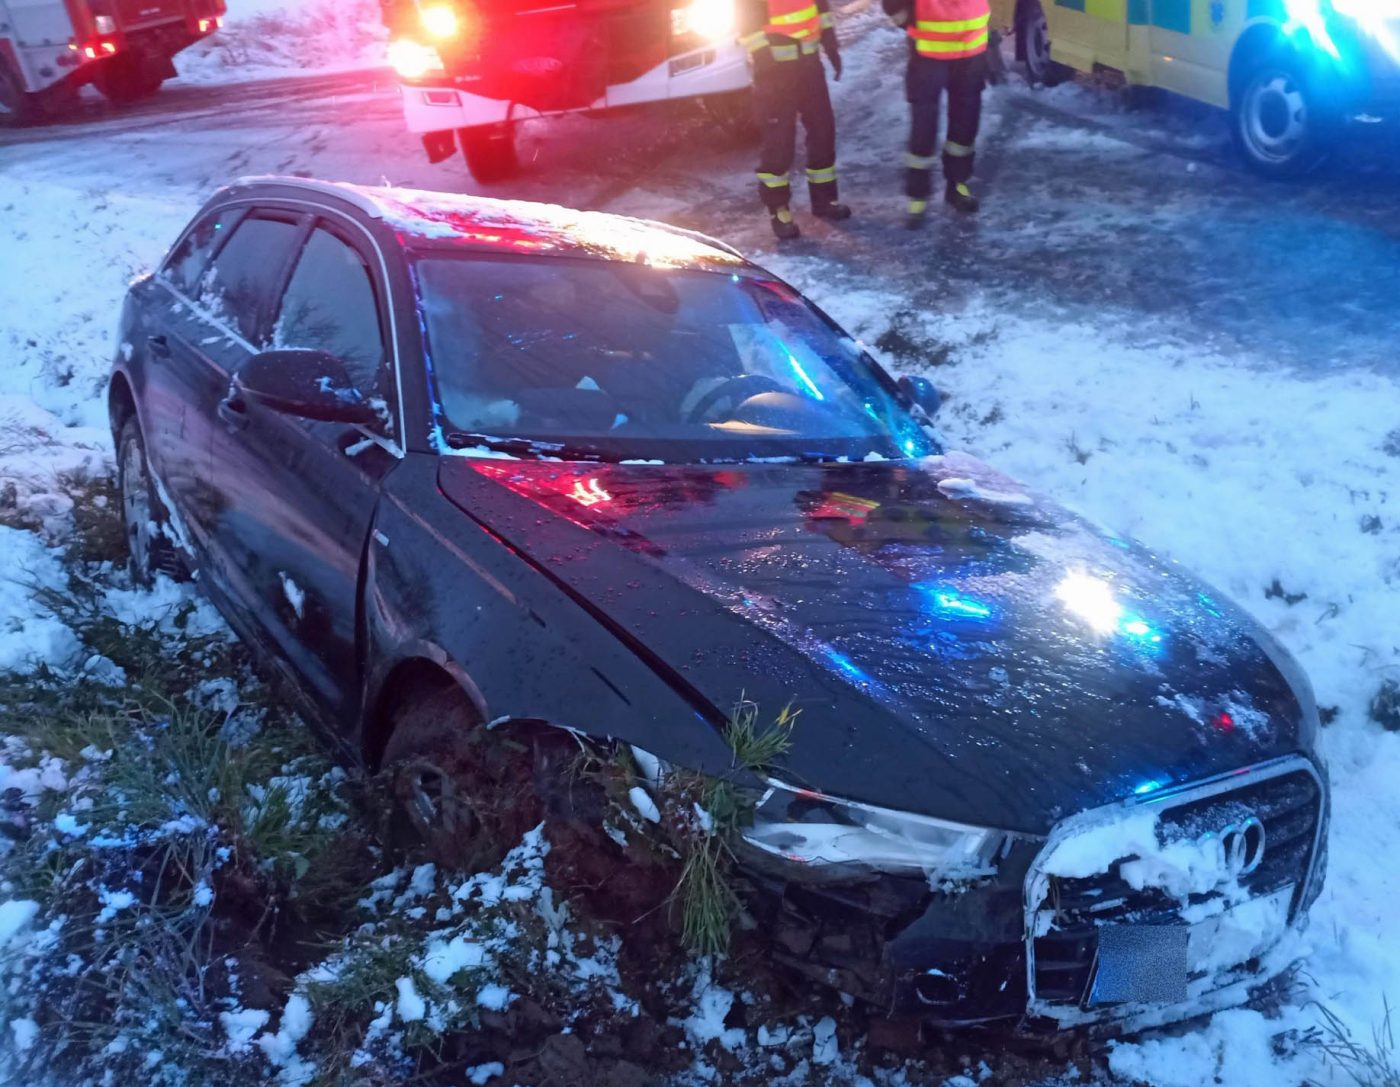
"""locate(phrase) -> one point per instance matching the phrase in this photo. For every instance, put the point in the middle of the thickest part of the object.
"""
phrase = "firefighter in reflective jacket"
(785, 38)
(947, 52)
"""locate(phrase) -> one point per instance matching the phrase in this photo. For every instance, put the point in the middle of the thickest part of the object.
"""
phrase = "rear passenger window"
(330, 306)
(186, 264)
(242, 277)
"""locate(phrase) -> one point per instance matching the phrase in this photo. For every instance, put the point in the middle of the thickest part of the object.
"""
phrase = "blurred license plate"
(1151, 964)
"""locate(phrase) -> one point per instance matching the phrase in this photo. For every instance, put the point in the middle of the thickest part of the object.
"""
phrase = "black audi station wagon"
(451, 462)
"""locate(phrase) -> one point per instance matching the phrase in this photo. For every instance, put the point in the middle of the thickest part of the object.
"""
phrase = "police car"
(1290, 72)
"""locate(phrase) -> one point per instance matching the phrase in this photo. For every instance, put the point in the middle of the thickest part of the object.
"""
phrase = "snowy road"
(1134, 324)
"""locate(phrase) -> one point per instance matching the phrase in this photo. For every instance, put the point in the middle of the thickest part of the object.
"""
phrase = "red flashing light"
(109, 47)
(1225, 723)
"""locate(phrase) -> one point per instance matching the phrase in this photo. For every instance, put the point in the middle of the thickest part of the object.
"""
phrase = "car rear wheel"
(1278, 121)
(16, 107)
(145, 520)
(1033, 44)
(123, 80)
(490, 152)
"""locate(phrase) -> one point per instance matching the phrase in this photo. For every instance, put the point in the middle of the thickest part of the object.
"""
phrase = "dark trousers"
(783, 91)
(926, 82)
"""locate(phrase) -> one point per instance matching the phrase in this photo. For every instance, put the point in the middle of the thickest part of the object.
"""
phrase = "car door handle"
(159, 345)
(233, 413)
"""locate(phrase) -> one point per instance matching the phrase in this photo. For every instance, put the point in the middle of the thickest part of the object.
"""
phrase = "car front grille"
(1290, 805)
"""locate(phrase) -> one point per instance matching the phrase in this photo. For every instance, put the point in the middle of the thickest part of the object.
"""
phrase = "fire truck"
(472, 70)
(1292, 73)
(50, 48)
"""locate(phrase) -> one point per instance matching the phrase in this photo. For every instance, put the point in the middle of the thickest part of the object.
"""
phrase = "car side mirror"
(304, 383)
(921, 391)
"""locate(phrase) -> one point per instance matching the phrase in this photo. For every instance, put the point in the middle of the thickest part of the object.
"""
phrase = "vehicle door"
(1095, 31)
(296, 497)
(1191, 43)
(203, 306)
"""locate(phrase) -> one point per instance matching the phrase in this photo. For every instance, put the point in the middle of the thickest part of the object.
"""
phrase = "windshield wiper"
(526, 447)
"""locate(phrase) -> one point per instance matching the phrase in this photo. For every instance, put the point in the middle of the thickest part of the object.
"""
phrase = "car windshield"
(622, 360)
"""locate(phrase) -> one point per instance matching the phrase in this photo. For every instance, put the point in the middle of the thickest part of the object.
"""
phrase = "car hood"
(955, 645)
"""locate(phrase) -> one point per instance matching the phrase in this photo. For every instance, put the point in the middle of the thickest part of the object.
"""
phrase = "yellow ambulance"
(1291, 72)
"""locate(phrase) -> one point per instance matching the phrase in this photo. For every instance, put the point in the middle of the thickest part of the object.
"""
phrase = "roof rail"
(327, 188)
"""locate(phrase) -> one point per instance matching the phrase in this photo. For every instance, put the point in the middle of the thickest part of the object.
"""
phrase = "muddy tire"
(490, 152)
(1279, 121)
(122, 80)
(1033, 46)
(16, 107)
(145, 520)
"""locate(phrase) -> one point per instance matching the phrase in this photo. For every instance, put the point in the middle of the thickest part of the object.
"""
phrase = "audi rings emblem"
(1242, 847)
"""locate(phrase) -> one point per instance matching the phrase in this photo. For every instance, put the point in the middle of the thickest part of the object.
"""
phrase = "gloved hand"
(834, 57)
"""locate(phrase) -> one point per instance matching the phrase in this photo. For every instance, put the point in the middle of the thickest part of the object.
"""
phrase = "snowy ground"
(1134, 326)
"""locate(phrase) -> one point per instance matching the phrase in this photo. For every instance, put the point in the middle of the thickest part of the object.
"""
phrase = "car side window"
(242, 277)
(329, 305)
(188, 260)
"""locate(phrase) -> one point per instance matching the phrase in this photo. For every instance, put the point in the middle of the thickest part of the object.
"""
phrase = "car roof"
(454, 220)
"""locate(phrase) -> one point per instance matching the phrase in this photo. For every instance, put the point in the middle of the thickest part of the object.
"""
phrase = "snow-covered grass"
(262, 39)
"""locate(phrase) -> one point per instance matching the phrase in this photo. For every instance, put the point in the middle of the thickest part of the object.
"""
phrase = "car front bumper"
(1022, 947)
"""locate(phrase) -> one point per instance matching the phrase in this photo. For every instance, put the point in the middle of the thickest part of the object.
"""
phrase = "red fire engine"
(49, 48)
(472, 69)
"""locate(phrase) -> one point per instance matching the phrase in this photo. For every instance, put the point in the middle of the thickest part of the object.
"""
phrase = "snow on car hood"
(956, 645)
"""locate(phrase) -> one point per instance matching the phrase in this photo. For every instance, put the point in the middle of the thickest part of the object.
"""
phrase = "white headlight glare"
(811, 829)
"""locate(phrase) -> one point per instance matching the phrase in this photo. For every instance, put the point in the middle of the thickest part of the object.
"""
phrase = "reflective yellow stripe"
(755, 41)
(822, 176)
(920, 162)
(773, 181)
(828, 20)
(784, 52)
(796, 17)
(808, 48)
(975, 23)
(957, 150)
(918, 207)
(924, 46)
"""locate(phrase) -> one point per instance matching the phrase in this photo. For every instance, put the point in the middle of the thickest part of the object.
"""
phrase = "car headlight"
(713, 20)
(833, 838)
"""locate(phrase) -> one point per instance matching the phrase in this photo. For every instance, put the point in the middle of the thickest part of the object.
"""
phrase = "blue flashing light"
(1307, 16)
(1147, 787)
(1139, 630)
(910, 447)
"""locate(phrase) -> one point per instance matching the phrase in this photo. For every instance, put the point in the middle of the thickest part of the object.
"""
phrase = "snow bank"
(264, 39)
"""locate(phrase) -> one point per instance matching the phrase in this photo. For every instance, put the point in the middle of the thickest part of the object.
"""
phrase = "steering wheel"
(740, 387)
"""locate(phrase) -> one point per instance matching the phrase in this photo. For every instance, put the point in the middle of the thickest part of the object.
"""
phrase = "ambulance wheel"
(1280, 126)
(1033, 45)
(16, 107)
(124, 80)
(490, 152)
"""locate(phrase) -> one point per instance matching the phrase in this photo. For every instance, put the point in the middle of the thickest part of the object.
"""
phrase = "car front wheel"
(1033, 44)
(1279, 123)
(145, 520)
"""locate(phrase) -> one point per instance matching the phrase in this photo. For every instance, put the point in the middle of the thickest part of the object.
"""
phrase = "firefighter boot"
(960, 198)
(783, 226)
(833, 211)
(916, 214)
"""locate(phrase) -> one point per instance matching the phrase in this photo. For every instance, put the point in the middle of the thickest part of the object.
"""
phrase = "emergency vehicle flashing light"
(413, 60)
(712, 20)
(440, 22)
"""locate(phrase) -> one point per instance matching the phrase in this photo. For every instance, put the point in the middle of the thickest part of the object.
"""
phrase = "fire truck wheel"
(123, 79)
(733, 114)
(1033, 46)
(16, 107)
(1280, 124)
(490, 152)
